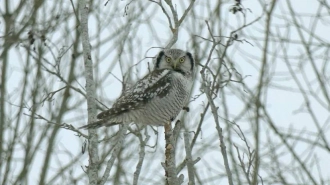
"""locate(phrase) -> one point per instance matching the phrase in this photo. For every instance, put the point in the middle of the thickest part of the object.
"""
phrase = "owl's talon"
(186, 109)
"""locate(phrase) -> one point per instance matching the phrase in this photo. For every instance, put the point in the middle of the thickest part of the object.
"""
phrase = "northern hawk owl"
(157, 98)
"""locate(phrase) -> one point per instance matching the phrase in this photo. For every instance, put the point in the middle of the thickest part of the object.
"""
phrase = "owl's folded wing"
(155, 84)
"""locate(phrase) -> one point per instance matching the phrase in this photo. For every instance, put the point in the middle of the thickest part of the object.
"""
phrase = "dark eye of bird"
(168, 59)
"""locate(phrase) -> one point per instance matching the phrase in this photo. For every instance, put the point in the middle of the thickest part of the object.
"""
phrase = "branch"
(261, 84)
(121, 136)
(164, 11)
(177, 22)
(143, 143)
(219, 129)
(63, 125)
(169, 165)
(208, 92)
(190, 164)
(90, 93)
(186, 11)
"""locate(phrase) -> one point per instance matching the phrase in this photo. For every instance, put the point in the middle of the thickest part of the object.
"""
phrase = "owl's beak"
(174, 65)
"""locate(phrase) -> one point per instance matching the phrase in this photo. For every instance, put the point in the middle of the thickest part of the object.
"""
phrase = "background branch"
(90, 93)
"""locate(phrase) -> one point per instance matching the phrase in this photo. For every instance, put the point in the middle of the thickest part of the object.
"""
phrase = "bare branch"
(169, 165)
(190, 165)
(90, 93)
(121, 136)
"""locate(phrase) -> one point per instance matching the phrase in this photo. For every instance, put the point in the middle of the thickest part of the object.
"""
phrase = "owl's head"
(175, 59)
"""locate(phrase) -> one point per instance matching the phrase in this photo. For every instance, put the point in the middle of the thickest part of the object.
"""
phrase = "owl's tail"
(98, 124)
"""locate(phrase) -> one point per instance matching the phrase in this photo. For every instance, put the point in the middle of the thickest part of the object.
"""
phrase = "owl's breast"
(167, 104)
(182, 84)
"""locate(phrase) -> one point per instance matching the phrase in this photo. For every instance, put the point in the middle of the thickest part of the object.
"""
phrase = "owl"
(158, 97)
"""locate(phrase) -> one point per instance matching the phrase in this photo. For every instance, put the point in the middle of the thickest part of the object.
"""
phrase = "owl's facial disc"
(176, 60)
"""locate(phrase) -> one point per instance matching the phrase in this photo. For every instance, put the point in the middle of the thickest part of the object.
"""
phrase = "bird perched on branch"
(157, 98)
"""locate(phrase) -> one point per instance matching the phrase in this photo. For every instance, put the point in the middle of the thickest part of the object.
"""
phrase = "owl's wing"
(155, 84)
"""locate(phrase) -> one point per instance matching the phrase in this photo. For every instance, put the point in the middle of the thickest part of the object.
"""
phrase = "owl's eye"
(181, 60)
(168, 59)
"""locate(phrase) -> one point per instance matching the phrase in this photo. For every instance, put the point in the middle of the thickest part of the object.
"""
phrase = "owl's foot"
(186, 109)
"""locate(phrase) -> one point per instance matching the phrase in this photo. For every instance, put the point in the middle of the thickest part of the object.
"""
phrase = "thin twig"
(61, 125)
(206, 86)
(143, 143)
(121, 136)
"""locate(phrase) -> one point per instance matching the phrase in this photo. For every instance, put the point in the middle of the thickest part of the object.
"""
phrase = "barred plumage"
(158, 97)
